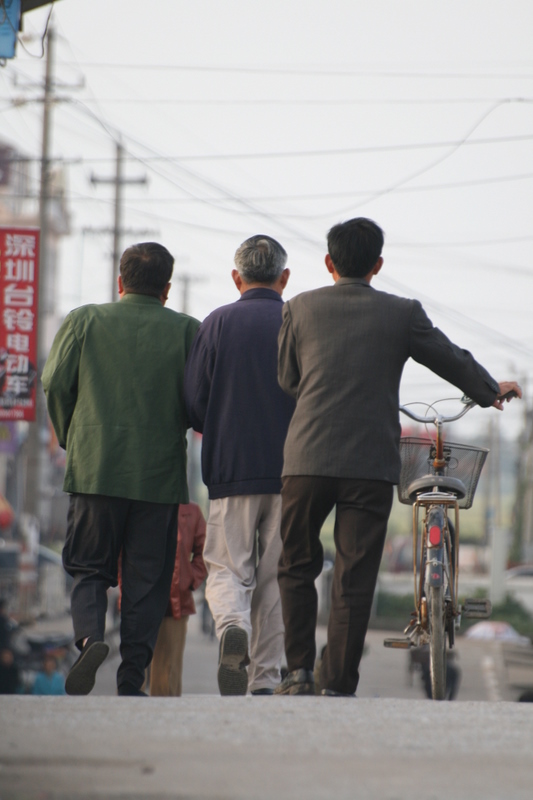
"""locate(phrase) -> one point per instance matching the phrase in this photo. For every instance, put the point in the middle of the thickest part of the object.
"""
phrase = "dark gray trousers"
(99, 529)
(362, 513)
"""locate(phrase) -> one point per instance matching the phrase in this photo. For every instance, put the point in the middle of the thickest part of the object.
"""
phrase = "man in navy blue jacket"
(233, 398)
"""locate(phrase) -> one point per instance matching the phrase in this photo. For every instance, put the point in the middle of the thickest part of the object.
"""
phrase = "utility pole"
(130, 231)
(119, 181)
(186, 279)
(34, 446)
(499, 535)
(526, 514)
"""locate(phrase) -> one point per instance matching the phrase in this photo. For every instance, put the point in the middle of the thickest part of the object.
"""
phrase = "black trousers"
(99, 529)
(362, 513)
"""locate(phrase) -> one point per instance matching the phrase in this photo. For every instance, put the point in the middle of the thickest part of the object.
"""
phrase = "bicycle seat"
(443, 483)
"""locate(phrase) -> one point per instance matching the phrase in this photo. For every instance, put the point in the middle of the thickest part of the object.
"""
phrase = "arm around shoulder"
(197, 384)
(288, 366)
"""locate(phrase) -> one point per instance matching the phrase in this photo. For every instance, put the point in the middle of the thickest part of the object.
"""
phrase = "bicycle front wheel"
(437, 642)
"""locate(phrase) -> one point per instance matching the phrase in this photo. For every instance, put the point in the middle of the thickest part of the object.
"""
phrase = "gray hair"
(260, 259)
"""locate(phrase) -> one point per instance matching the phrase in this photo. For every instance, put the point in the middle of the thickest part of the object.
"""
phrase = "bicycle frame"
(439, 558)
(445, 500)
(440, 555)
(436, 497)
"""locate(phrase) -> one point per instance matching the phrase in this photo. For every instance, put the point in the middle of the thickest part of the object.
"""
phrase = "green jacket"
(114, 388)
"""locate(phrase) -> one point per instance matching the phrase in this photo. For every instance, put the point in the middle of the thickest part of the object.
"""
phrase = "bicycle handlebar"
(469, 404)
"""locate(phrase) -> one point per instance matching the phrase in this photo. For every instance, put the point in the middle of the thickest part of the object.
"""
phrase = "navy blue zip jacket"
(233, 397)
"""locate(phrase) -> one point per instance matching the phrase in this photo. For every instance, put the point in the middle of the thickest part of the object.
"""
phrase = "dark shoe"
(265, 691)
(299, 681)
(128, 690)
(333, 693)
(82, 675)
(232, 662)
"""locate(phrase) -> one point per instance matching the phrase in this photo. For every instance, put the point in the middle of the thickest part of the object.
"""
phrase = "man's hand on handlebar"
(508, 390)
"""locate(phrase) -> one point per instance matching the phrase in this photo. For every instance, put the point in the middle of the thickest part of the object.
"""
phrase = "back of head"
(260, 259)
(146, 268)
(355, 246)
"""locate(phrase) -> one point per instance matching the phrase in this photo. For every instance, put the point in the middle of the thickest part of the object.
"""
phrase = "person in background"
(9, 673)
(6, 626)
(49, 680)
(189, 573)
(164, 676)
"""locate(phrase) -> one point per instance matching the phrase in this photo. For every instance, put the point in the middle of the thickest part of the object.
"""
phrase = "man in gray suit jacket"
(342, 350)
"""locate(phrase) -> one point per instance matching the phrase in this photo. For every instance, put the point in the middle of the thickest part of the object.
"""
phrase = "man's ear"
(120, 286)
(164, 293)
(237, 280)
(377, 266)
(284, 278)
(330, 266)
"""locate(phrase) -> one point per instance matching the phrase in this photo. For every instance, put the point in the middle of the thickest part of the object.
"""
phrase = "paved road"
(203, 746)
(389, 744)
(384, 672)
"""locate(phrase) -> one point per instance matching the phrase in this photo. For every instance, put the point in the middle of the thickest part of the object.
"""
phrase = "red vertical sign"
(19, 290)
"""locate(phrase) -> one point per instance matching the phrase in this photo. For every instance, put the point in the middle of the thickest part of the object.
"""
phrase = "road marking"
(491, 680)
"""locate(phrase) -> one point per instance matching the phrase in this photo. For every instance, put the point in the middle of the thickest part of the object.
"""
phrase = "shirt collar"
(344, 281)
(257, 294)
(140, 298)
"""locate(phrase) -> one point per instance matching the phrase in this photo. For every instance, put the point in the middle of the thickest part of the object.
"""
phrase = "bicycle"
(438, 479)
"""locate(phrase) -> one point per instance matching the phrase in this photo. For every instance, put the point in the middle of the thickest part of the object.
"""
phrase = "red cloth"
(189, 568)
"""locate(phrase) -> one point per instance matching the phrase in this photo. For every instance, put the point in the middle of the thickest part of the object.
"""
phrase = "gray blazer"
(342, 350)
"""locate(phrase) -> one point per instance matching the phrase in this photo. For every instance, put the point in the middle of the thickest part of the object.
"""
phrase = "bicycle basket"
(462, 461)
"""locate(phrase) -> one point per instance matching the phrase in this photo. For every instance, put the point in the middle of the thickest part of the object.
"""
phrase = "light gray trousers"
(242, 549)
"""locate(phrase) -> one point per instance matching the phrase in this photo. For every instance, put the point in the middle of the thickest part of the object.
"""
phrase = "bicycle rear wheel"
(437, 642)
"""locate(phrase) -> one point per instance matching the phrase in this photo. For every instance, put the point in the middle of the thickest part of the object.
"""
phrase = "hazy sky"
(287, 117)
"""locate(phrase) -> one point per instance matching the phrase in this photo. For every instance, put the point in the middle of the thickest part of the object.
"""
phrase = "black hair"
(146, 268)
(355, 246)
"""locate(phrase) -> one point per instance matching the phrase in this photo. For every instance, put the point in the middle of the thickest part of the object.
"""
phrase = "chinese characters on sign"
(19, 284)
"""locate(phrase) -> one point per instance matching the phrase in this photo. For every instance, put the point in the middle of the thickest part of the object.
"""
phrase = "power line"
(252, 210)
(461, 319)
(290, 197)
(439, 160)
(476, 243)
(301, 236)
(279, 223)
(310, 71)
(299, 101)
(303, 153)
(342, 151)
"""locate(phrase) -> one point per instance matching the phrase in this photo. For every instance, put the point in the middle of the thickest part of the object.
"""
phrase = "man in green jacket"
(114, 389)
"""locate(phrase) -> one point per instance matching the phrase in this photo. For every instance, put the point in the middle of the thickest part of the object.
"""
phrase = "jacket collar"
(146, 299)
(257, 294)
(345, 281)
